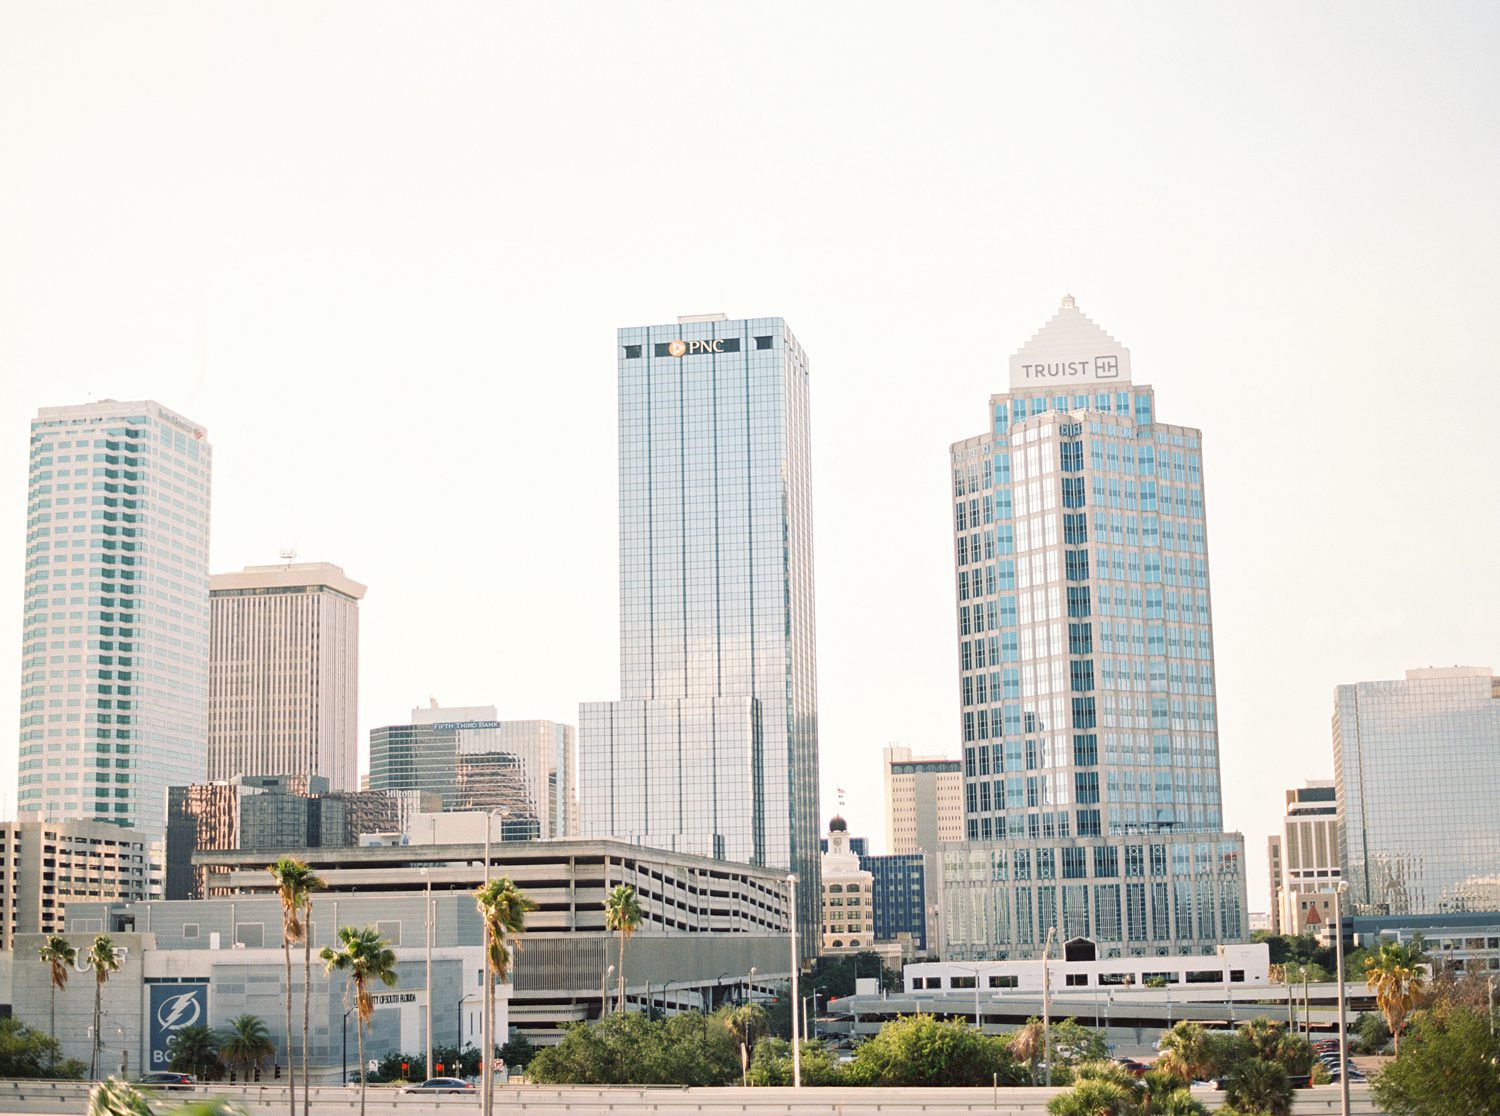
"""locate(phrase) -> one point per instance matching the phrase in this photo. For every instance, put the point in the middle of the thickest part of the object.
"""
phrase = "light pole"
(1228, 999)
(604, 992)
(750, 985)
(427, 913)
(346, 1047)
(487, 1051)
(1047, 1003)
(1338, 965)
(791, 885)
(1492, 1007)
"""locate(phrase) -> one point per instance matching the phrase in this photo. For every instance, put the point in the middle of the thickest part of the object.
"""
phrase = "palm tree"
(246, 1044)
(56, 951)
(194, 1049)
(291, 877)
(1186, 1053)
(311, 884)
(622, 912)
(101, 957)
(366, 957)
(1392, 973)
(746, 1023)
(1026, 1044)
(1094, 1097)
(502, 908)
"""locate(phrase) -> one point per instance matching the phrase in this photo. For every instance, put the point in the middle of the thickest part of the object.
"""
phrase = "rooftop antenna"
(841, 798)
(288, 554)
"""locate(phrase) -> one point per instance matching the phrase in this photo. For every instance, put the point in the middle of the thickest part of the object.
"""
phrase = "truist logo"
(1100, 368)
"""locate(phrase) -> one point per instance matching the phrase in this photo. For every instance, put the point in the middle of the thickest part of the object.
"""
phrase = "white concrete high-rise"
(1304, 859)
(114, 671)
(284, 673)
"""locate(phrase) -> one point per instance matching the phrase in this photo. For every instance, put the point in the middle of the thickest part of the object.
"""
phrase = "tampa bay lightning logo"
(181, 1011)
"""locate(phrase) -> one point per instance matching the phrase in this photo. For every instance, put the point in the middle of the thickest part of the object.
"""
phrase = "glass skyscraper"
(713, 747)
(114, 672)
(1085, 639)
(1417, 769)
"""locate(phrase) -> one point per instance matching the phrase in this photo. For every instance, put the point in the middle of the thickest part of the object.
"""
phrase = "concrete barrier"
(69, 1098)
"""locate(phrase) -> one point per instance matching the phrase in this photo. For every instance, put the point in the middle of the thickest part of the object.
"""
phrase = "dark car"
(1137, 1068)
(163, 1079)
(441, 1085)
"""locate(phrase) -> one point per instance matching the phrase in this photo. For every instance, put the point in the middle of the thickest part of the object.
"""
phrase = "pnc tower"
(713, 747)
(1092, 801)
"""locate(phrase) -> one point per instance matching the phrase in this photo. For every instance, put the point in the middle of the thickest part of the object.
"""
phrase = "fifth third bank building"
(1092, 793)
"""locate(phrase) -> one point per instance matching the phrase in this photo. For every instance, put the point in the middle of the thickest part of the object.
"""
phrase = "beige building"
(1304, 860)
(924, 801)
(46, 865)
(848, 895)
(284, 673)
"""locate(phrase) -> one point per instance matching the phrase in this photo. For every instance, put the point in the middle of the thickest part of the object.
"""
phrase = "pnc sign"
(695, 348)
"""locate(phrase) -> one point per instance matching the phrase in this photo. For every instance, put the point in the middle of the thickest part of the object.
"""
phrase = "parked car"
(1137, 1068)
(441, 1085)
(164, 1079)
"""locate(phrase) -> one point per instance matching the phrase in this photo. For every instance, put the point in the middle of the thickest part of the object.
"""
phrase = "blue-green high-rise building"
(1088, 717)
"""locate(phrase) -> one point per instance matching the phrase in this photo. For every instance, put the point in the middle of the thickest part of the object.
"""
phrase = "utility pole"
(1047, 1003)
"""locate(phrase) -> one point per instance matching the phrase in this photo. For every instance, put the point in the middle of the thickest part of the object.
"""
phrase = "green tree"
(246, 1043)
(746, 1023)
(119, 1098)
(295, 882)
(1074, 1044)
(772, 1064)
(28, 1053)
(1185, 1053)
(1373, 1033)
(1268, 1040)
(57, 953)
(622, 913)
(1095, 1097)
(102, 958)
(1394, 975)
(366, 957)
(502, 909)
(632, 1049)
(1256, 1085)
(1026, 1045)
(1450, 1066)
(195, 1050)
(517, 1053)
(919, 1050)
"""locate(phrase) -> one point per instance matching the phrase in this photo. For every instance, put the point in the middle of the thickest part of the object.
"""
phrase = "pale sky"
(380, 251)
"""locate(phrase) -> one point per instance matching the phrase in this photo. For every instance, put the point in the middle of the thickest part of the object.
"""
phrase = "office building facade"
(848, 895)
(525, 769)
(45, 866)
(1304, 859)
(712, 748)
(114, 674)
(283, 692)
(1085, 639)
(1417, 771)
(898, 883)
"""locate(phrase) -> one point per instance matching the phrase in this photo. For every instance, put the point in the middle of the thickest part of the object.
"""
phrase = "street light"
(1047, 1003)
(791, 884)
(486, 1061)
(1338, 963)
(346, 1046)
(1228, 998)
(604, 992)
(427, 918)
(750, 986)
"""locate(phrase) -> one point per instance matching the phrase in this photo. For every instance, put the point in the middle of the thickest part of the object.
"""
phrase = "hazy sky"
(380, 252)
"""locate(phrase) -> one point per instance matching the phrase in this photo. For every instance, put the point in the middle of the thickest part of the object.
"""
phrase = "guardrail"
(69, 1098)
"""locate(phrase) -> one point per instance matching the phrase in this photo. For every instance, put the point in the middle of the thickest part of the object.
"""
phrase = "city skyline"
(333, 269)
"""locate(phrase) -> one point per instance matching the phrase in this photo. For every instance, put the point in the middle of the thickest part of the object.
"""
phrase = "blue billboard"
(172, 1007)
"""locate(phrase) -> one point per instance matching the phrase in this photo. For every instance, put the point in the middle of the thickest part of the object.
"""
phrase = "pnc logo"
(694, 348)
(179, 1011)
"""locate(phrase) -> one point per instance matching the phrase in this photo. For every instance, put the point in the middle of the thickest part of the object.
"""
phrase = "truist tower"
(1086, 660)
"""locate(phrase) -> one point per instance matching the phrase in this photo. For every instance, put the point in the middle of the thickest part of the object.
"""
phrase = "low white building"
(1078, 966)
